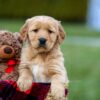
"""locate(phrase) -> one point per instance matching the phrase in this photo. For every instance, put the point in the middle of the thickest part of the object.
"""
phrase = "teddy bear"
(10, 51)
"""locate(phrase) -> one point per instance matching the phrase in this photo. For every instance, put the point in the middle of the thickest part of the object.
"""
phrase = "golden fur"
(43, 64)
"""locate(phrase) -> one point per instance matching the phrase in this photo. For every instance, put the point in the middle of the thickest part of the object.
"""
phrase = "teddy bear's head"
(10, 45)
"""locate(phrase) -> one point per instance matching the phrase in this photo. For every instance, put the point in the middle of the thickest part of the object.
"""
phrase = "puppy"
(41, 58)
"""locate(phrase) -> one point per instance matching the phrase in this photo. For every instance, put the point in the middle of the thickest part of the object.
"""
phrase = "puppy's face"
(42, 33)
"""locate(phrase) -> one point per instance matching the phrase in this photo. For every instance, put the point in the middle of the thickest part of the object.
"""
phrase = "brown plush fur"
(9, 39)
(43, 63)
(12, 40)
(8, 76)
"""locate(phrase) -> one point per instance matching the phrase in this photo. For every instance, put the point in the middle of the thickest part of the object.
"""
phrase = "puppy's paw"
(58, 91)
(24, 83)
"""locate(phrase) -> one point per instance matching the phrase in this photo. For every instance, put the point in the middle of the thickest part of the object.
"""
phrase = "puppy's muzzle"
(42, 41)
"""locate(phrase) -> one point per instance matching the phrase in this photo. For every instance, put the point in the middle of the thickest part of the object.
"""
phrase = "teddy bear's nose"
(8, 50)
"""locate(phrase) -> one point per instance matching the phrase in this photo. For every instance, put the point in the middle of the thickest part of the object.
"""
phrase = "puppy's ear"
(24, 31)
(61, 34)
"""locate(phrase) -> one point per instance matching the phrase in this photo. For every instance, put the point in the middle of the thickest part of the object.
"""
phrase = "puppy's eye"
(35, 30)
(50, 31)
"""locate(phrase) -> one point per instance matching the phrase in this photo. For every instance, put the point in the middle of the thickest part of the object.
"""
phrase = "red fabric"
(9, 69)
(11, 64)
(10, 91)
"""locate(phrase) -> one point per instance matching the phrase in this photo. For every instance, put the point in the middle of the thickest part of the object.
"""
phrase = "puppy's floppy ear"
(61, 34)
(24, 31)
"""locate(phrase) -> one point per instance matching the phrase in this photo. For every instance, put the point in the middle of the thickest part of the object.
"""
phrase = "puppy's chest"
(38, 73)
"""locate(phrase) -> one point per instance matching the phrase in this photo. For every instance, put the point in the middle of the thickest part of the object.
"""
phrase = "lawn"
(82, 62)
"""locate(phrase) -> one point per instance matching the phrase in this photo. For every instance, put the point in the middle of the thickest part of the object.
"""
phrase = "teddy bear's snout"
(6, 51)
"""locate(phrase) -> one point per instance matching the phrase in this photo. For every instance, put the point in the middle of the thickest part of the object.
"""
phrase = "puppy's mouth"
(42, 46)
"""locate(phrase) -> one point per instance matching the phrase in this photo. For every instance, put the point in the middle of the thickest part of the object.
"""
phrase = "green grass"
(12, 24)
(82, 62)
(76, 29)
(83, 70)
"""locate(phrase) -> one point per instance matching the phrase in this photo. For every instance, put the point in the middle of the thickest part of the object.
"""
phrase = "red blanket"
(10, 91)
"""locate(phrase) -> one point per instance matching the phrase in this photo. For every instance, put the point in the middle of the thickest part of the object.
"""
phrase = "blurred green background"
(62, 9)
(81, 47)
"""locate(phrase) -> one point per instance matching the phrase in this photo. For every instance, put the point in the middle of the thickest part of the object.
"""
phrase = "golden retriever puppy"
(42, 59)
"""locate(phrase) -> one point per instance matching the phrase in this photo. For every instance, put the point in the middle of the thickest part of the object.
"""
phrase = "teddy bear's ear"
(24, 31)
(61, 33)
(18, 37)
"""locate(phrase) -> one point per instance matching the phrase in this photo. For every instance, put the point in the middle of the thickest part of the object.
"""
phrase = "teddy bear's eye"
(35, 30)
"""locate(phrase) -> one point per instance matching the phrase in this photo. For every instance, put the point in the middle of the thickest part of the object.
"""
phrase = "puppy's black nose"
(42, 41)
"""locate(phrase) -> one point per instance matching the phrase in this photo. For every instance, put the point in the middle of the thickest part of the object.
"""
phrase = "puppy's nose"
(42, 41)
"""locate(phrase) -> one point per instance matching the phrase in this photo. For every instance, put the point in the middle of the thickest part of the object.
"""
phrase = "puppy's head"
(42, 33)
